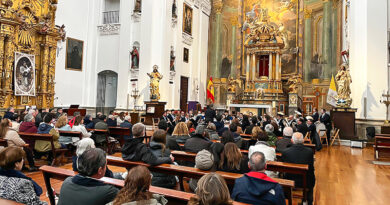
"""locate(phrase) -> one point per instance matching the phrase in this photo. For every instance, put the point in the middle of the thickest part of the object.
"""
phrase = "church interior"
(194, 102)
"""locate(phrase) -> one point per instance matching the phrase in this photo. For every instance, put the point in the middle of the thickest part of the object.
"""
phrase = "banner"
(210, 90)
(332, 93)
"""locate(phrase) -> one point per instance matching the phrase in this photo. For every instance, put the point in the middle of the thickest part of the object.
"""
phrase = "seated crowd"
(217, 140)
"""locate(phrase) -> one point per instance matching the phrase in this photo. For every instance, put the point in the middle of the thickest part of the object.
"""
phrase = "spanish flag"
(332, 93)
(210, 90)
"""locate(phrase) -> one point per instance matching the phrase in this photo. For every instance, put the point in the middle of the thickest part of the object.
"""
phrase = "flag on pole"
(332, 93)
(210, 89)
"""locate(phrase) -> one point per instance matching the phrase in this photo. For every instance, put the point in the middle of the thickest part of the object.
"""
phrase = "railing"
(110, 17)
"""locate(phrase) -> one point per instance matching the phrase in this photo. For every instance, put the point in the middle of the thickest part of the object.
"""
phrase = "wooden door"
(183, 93)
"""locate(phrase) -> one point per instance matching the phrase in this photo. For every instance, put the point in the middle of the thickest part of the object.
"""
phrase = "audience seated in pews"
(14, 140)
(219, 123)
(299, 154)
(135, 150)
(120, 118)
(232, 160)
(211, 190)
(14, 185)
(245, 123)
(249, 129)
(256, 187)
(9, 113)
(211, 131)
(216, 149)
(100, 125)
(170, 140)
(198, 141)
(62, 124)
(181, 133)
(136, 189)
(79, 127)
(28, 125)
(127, 124)
(264, 147)
(285, 142)
(204, 160)
(111, 121)
(254, 135)
(84, 188)
(191, 126)
(272, 138)
(97, 118)
(88, 122)
(158, 148)
(15, 120)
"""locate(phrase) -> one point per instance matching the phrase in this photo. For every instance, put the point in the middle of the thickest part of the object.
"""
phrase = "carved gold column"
(2, 97)
(8, 60)
(51, 83)
(45, 70)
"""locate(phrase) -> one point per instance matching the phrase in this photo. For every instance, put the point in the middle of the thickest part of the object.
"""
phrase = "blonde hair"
(211, 190)
(181, 129)
(255, 132)
(62, 121)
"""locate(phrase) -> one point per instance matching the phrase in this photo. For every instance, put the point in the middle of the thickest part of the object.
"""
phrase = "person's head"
(300, 121)
(323, 110)
(190, 124)
(138, 130)
(127, 118)
(181, 129)
(62, 121)
(267, 117)
(163, 125)
(12, 158)
(218, 118)
(83, 145)
(297, 138)
(231, 155)
(211, 126)
(254, 120)
(211, 190)
(227, 136)
(49, 117)
(255, 132)
(165, 113)
(290, 117)
(98, 114)
(122, 115)
(269, 128)
(262, 136)
(182, 113)
(11, 109)
(310, 121)
(59, 110)
(15, 117)
(102, 118)
(79, 120)
(233, 127)
(288, 131)
(200, 130)
(315, 110)
(136, 186)
(250, 114)
(204, 160)
(29, 118)
(92, 163)
(257, 162)
(159, 136)
(245, 119)
(4, 126)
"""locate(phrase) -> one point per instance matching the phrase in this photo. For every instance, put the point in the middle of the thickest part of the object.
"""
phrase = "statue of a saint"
(343, 80)
(137, 6)
(174, 15)
(172, 61)
(155, 78)
(294, 83)
(134, 58)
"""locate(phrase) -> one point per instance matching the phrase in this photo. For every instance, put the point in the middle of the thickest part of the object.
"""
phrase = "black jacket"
(315, 117)
(302, 128)
(300, 154)
(159, 179)
(171, 142)
(325, 119)
(283, 144)
(135, 150)
(210, 114)
(197, 143)
(248, 129)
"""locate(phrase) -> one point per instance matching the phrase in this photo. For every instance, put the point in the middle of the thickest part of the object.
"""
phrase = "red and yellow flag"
(210, 90)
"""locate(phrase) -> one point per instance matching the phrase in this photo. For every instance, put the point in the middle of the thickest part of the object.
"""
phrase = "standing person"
(14, 184)
(210, 113)
(315, 115)
(281, 122)
(325, 119)
(136, 189)
(256, 187)
(302, 127)
(14, 140)
(211, 190)
(299, 154)
(85, 188)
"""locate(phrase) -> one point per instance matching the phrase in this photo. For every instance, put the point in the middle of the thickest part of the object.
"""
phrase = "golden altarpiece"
(28, 26)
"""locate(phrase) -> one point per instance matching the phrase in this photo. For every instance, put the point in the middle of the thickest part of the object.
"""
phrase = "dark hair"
(78, 120)
(102, 117)
(159, 136)
(262, 136)
(301, 120)
(4, 126)
(233, 127)
(227, 137)
(230, 157)
(163, 125)
(245, 119)
(218, 118)
(48, 117)
(254, 120)
(14, 117)
(257, 161)
(90, 161)
(9, 156)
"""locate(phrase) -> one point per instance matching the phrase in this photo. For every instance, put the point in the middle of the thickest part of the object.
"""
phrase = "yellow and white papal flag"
(332, 93)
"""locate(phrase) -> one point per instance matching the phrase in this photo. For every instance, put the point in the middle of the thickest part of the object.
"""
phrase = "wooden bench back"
(38, 136)
(382, 147)
(61, 174)
(71, 134)
(121, 132)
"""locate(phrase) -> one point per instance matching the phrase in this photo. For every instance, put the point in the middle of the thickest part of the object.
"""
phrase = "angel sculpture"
(294, 83)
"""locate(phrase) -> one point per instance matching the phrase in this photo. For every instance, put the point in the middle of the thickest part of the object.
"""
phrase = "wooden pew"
(105, 133)
(191, 172)
(121, 132)
(3, 143)
(44, 137)
(71, 134)
(382, 147)
(173, 196)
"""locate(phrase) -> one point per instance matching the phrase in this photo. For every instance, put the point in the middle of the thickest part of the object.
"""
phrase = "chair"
(307, 137)
(322, 134)
(335, 136)
(155, 122)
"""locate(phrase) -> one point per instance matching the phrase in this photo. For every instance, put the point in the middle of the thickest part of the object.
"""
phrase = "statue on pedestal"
(155, 78)
(137, 6)
(134, 58)
(343, 80)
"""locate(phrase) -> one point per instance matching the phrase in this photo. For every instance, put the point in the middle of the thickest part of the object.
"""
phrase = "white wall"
(368, 56)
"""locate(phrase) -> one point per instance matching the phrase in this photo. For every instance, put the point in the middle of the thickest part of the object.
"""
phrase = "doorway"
(183, 93)
(106, 91)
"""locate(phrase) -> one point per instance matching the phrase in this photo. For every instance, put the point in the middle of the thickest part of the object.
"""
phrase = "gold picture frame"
(74, 54)
(187, 19)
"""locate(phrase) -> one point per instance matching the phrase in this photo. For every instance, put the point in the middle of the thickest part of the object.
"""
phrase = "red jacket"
(28, 127)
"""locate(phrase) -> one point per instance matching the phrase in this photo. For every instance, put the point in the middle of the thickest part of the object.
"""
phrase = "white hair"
(127, 118)
(84, 145)
(288, 132)
(269, 128)
(297, 138)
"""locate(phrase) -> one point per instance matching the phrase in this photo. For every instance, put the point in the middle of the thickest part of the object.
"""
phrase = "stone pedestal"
(344, 119)
(154, 109)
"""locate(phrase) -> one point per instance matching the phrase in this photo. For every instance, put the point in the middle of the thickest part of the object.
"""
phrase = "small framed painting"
(186, 54)
(187, 19)
(74, 54)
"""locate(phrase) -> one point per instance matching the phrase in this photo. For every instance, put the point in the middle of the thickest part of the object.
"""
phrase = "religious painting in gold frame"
(24, 74)
(74, 54)
(187, 19)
